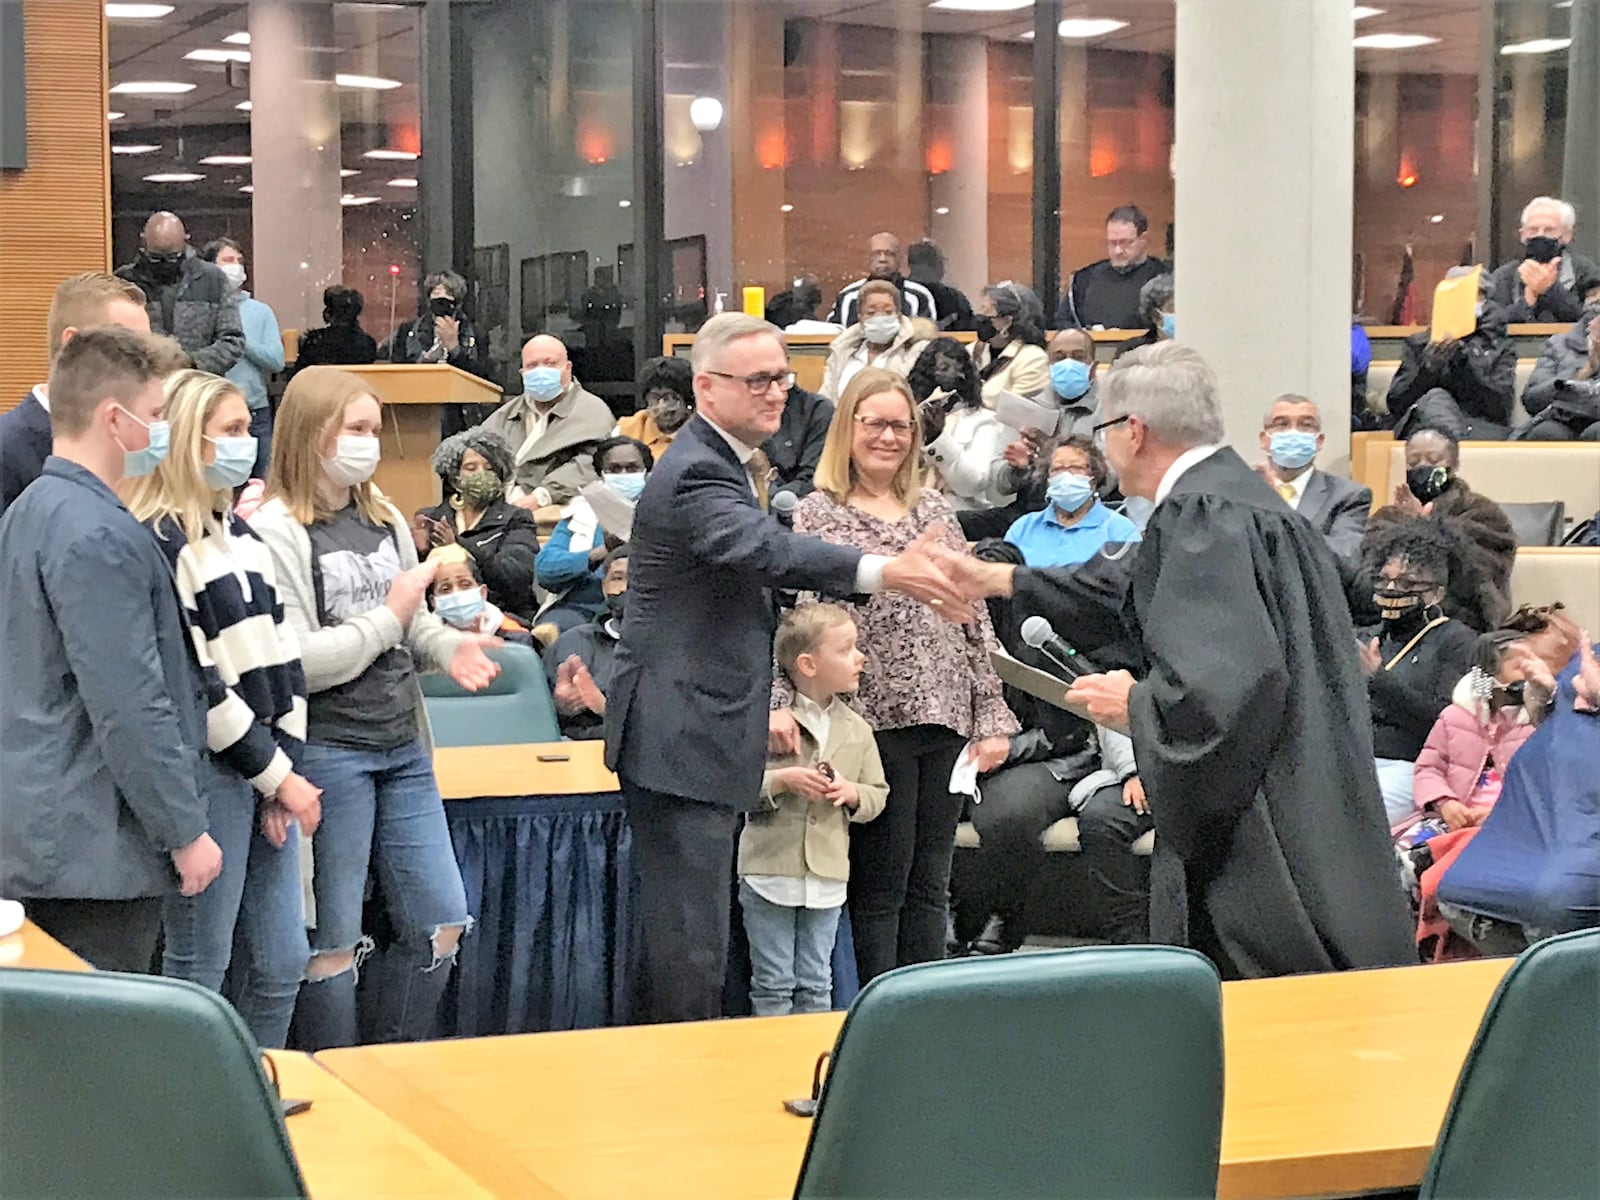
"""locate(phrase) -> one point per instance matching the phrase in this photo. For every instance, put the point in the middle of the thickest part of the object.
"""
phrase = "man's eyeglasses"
(761, 382)
(876, 427)
(1098, 432)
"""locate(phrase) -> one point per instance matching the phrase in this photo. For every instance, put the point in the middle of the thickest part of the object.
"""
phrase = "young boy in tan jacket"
(794, 854)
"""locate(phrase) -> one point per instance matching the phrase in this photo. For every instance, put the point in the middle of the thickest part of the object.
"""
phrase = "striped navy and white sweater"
(255, 687)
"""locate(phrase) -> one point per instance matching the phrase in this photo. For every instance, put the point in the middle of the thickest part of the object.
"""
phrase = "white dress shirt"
(811, 890)
(1297, 488)
(1189, 458)
(42, 395)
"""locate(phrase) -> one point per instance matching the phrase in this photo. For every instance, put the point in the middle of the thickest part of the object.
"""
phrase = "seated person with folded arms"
(579, 662)
(1075, 524)
(459, 598)
(794, 853)
(571, 563)
(1563, 393)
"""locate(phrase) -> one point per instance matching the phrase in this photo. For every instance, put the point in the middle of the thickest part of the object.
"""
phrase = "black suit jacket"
(24, 445)
(1339, 509)
(686, 713)
(796, 448)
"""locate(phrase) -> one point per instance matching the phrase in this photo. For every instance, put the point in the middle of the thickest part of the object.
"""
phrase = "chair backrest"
(1537, 524)
(1518, 472)
(128, 1085)
(1525, 1117)
(1570, 574)
(514, 709)
(1025, 1076)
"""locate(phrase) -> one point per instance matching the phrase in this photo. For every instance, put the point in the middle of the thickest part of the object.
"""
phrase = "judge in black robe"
(1249, 719)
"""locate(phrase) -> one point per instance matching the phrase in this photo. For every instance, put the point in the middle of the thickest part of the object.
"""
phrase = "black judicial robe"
(1252, 731)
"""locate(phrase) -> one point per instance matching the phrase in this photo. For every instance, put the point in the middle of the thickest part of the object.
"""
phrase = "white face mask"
(353, 461)
(234, 272)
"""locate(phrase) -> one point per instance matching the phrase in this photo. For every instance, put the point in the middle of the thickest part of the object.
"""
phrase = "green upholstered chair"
(515, 709)
(1092, 1072)
(128, 1085)
(1525, 1117)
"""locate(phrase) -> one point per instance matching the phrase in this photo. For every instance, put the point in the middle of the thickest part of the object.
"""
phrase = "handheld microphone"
(782, 505)
(1037, 632)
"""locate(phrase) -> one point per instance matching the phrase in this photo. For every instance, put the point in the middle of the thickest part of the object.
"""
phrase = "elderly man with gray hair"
(1548, 281)
(1247, 709)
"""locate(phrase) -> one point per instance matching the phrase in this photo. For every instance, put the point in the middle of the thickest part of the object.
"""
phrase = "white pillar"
(1265, 144)
(963, 231)
(294, 148)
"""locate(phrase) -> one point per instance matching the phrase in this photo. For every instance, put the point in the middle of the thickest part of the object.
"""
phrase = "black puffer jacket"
(1563, 357)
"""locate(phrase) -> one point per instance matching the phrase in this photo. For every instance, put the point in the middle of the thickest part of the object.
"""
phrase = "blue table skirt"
(549, 881)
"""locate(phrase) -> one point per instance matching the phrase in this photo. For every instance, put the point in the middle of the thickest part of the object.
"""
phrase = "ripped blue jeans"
(380, 808)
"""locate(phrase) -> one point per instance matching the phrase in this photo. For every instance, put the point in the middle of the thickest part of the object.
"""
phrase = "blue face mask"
(1292, 449)
(543, 383)
(236, 458)
(1069, 378)
(460, 609)
(629, 484)
(136, 464)
(1069, 492)
(1169, 325)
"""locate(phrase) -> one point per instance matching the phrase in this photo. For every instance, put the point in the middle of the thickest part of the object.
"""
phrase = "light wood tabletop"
(538, 769)
(1335, 1084)
(348, 1148)
(32, 947)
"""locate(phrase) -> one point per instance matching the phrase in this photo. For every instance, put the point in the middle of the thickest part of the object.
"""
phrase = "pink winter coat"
(1461, 742)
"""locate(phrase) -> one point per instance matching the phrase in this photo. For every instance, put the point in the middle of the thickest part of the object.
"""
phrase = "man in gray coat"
(188, 299)
(1292, 437)
(103, 714)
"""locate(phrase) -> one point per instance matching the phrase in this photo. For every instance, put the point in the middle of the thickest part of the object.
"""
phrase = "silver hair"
(1170, 388)
(721, 331)
(1291, 398)
(496, 451)
(1569, 215)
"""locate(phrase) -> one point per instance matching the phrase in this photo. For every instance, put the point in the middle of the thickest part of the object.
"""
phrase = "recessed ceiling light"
(218, 56)
(1436, 219)
(357, 201)
(243, 106)
(1078, 28)
(135, 147)
(115, 116)
(1361, 12)
(981, 6)
(624, 203)
(1537, 46)
(237, 39)
(226, 160)
(941, 211)
(1394, 41)
(373, 83)
(248, 189)
(137, 12)
(785, 208)
(391, 155)
(151, 88)
(405, 183)
(174, 177)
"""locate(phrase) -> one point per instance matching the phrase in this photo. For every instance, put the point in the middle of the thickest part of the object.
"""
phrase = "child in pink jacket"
(1459, 771)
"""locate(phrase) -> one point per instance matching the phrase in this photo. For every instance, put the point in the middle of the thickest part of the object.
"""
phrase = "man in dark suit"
(686, 715)
(796, 448)
(93, 298)
(1292, 437)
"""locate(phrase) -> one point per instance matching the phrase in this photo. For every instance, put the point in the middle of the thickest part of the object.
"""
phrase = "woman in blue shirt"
(572, 562)
(1074, 526)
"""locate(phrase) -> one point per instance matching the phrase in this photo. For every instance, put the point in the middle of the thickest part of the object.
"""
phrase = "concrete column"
(1265, 145)
(294, 148)
(963, 231)
(1580, 174)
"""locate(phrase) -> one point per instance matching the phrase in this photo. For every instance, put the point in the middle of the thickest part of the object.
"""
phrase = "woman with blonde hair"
(256, 718)
(928, 691)
(353, 591)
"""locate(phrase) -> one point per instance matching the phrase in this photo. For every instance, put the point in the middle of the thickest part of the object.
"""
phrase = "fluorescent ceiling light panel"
(243, 106)
(218, 56)
(115, 116)
(236, 39)
(151, 87)
(174, 177)
(391, 155)
(248, 189)
(226, 160)
(371, 83)
(357, 201)
(1394, 41)
(1537, 46)
(403, 183)
(1078, 28)
(135, 148)
(137, 12)
(980, 6)
(1361, 12)
(346, 172)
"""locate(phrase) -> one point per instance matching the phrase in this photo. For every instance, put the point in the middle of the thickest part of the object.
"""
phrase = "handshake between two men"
(952, 582)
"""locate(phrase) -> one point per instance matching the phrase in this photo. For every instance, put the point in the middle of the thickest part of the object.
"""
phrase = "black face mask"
(1427, 484)
(1541, 249)
(1402, 606)
(617, 603)
(986, 330)
(1512, 693)
(165, 266)
(442, 306)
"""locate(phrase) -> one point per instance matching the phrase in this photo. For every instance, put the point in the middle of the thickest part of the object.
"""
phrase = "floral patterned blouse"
(921, 669)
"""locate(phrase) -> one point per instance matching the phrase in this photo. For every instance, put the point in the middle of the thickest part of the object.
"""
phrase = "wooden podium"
(414, 396)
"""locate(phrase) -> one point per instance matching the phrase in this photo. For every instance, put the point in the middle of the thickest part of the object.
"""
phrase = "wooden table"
(538, 769)
(32, 947)
(348, 1148)
(1336, 1083)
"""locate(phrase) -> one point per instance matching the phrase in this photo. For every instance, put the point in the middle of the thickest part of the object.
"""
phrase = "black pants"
(683, 862)
(110, 935)
(900, 862)
(1559, 431)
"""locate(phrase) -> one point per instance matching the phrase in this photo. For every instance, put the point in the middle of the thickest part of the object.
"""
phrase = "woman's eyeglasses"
(761, 382)
(876, 427)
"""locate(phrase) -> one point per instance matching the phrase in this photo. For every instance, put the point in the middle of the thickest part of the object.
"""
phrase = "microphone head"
(783, 503)
(1036, 631)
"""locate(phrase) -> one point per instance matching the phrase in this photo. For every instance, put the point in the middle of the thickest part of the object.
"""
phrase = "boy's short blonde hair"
(800, 632)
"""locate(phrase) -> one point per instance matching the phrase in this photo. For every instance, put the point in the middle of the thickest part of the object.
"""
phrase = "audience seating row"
(1382, 372)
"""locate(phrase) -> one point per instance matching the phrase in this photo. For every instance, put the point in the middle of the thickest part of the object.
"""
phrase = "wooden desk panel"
(33, 948)
(348, 1148)
(470, 772)
(1336, 1083)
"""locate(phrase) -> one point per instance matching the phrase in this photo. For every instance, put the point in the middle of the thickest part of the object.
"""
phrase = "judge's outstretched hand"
(917, 573)
(977, 579)
(1105, 697)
